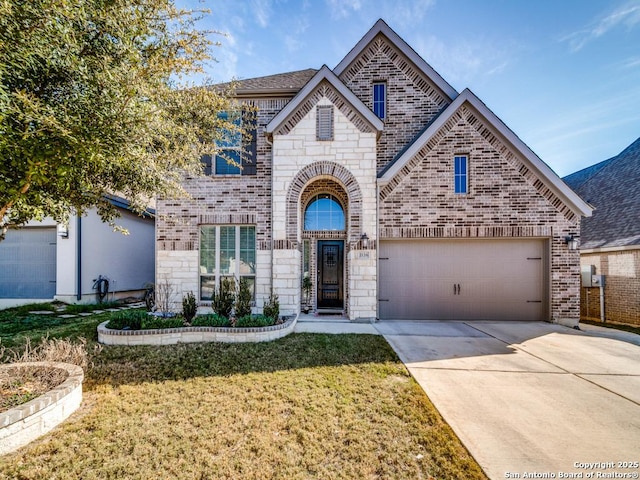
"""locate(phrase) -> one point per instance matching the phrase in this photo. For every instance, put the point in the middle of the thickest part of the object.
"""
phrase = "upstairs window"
(237, 154)
(324, 122)
(380, 99)
(460, 175)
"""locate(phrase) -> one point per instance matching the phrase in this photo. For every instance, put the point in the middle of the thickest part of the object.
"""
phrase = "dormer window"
(380, 99)
(324, 122)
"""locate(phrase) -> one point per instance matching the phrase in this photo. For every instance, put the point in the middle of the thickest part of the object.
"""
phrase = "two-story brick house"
(399, 198)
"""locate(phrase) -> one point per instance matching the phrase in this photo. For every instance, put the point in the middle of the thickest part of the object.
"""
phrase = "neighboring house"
(398, 196)
(610, 239)
(43, 261)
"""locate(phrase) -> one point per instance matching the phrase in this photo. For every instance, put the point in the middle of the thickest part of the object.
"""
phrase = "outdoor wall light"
(365, 241)
(571, 241)
(63, 230)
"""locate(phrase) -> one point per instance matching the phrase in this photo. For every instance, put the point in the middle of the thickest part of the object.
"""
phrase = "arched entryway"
(324, 213)
(324, 208)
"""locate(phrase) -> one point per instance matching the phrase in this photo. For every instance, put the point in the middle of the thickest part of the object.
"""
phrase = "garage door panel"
(462, 280)
(28, 263)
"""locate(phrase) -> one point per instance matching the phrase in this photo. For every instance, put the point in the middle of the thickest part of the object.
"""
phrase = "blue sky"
(564, 75)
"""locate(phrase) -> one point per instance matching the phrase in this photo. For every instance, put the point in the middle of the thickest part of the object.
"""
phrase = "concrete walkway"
(531, 398)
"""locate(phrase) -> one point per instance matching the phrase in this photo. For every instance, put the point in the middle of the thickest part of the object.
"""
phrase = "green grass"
(16, 325)
(305, 406)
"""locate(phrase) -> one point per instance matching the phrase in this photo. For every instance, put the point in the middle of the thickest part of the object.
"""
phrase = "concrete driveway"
(531, 398)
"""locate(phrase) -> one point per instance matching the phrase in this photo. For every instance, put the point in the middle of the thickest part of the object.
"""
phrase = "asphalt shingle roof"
(290, 82)
(613, 188)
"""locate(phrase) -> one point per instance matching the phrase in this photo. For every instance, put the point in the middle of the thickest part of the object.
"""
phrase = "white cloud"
(626, 15)
(262, 10)
(466, 61)
(295, 40)
(403, 14)
(343, 8)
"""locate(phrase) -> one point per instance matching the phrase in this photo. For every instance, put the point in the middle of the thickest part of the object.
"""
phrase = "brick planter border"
(23, 424)
(171, 336)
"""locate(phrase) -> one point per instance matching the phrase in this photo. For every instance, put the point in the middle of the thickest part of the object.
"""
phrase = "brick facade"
(412, 99)
(506, 198)
(622, 286)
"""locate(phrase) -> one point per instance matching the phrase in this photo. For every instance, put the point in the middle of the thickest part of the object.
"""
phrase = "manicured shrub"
(271, 308)
(243, 300)
(127, 320)
(211, 320)
(189, 308)
(254, 321)
(223, 299)
(153, 321)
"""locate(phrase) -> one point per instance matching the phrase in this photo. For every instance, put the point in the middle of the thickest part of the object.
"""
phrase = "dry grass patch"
(306, 406)
(21, 385)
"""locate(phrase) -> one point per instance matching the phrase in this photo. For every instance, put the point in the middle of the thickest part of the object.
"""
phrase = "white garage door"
(463, 279)
(28, 263)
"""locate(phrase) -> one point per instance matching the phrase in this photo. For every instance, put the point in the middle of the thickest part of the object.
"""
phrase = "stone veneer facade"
(505, 199)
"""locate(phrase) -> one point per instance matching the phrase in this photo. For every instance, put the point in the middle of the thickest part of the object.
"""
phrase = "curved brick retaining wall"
(170, 336)
(24, 423)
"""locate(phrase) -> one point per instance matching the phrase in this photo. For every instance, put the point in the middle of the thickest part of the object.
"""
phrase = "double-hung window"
(226, 251)
(380, 99)
(460, 174)
(236, 153)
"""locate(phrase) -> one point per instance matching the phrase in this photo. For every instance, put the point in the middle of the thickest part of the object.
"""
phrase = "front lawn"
(305, 406)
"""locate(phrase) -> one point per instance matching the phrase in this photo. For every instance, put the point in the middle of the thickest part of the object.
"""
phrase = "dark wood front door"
(330, 274)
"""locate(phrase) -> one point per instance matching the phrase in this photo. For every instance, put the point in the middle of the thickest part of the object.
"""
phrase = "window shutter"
(206, 162)
(250, 157)
(324, 122)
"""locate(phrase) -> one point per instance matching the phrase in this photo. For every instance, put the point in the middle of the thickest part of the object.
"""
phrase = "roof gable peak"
(324, 74)
(381, 27)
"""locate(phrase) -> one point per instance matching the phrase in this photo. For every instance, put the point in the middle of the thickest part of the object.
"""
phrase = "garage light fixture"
(571, 241)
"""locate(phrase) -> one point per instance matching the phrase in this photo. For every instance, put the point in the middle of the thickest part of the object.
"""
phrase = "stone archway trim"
(336, 172)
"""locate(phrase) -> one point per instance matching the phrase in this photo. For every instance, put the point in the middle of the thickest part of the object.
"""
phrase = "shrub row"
(141, 320)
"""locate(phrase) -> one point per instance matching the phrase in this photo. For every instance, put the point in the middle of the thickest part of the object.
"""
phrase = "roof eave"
(266, 93)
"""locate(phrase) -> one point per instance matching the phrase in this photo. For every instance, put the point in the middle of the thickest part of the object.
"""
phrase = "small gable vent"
(324, 122)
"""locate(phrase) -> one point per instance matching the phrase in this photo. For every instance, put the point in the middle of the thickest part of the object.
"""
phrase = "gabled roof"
(324, 74)
(533, 162)
(613, 188)
(281, 84)
(381, 27)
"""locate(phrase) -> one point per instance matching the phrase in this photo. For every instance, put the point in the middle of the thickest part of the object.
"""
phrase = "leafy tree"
(92, 103)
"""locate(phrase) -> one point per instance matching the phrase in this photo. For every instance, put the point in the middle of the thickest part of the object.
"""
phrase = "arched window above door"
(324, 212)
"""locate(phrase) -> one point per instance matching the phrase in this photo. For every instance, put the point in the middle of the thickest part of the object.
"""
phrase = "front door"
(330, 274)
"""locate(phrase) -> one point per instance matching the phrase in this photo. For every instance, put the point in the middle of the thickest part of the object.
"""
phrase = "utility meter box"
(588, 272)
(597, 281)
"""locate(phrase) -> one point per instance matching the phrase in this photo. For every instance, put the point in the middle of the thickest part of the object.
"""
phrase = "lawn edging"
(171, 336)
(23, 424)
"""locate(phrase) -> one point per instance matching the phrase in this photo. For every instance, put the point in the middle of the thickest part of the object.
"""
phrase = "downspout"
(79, 258)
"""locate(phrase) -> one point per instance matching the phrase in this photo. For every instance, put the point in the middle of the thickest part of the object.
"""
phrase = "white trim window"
(461, 174)
(226, 251)
(380, 99)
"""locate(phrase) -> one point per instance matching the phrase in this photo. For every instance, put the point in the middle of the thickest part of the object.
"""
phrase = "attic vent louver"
(324, 122)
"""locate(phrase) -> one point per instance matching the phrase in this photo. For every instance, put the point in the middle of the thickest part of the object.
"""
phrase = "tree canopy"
(90, 105)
